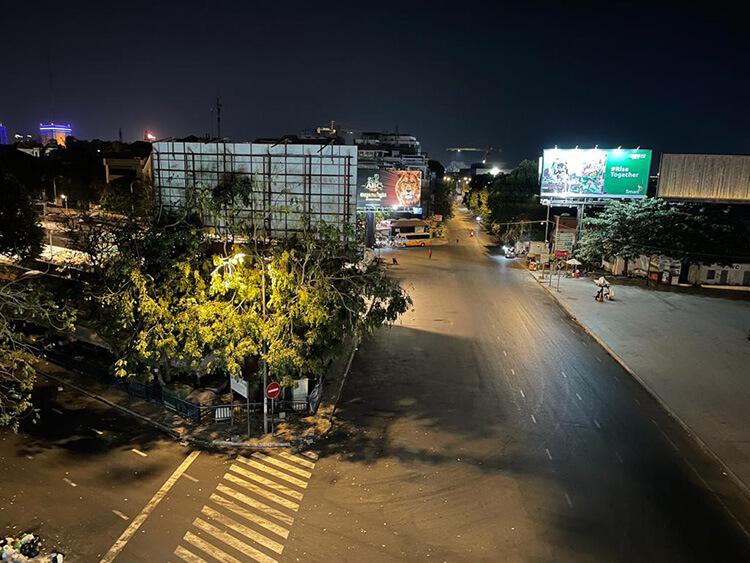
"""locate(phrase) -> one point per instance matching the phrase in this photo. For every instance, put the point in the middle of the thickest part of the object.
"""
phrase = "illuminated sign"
(385, 188)
(595, 173)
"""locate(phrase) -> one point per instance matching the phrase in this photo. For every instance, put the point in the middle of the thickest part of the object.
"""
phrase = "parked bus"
(413, 239)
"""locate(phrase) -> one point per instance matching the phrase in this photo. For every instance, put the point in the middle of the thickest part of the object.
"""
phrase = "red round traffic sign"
(273, 390)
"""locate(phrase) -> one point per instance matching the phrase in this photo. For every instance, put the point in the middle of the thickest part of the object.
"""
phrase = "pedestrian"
(429, 254)
(456, 241)
(394, 261)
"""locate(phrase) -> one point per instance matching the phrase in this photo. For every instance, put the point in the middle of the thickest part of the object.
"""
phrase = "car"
(510, 253)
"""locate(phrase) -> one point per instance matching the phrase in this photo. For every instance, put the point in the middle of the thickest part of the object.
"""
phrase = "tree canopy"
(21, 234)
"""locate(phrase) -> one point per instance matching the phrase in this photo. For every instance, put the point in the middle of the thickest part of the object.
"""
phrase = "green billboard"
(595, 173)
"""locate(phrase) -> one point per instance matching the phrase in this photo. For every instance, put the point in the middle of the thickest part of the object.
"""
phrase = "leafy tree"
(22, 301)
(653, 226)
(21, 234)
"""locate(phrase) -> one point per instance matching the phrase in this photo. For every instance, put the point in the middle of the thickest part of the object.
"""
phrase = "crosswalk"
(251, 511)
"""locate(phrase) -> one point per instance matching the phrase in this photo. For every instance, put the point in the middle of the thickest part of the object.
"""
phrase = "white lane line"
(120, 514)
(522, 394)
(297, 460)
(256, 504)
(596, 423)
(190, 477)
(273, 485)
(273, 472)
(563, 374)
(668, 439)
(278, 463)
(512, 371)
(533, 419)
(504, 352)
(58, 411)
(206, 547)
(549, 455)
(188, 556)
(598, 359)
(118, 546)
(69, 482)
(231, 541)
(243, 530)
(99, 432)
(617, 455)
(250, 516)
(139, 452)
(638, 402)
(579, 397)
(262, 492)
(570, 502)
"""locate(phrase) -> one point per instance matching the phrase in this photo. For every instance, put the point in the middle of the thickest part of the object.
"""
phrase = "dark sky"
(519, 76)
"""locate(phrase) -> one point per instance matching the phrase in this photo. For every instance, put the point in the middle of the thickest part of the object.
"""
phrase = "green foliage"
(22, 301)
(653, 226)
(174, 302)
(21, 234)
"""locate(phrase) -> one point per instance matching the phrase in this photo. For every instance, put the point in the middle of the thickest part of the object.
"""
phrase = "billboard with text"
(386, 188)
(595, 173)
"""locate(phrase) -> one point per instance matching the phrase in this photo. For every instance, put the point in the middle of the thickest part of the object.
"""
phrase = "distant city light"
(494, 171)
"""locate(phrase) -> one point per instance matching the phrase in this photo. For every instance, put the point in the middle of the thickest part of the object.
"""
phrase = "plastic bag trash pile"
(25, 548)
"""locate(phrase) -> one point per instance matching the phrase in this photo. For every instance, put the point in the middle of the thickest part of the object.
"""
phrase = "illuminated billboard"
(595, 173)
(386, 188)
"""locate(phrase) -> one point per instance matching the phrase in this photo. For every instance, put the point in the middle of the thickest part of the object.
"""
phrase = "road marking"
(274, 472)
(58, 411)
(297, 460)
(214, 552)
(243, 530)
(139, 452)
(596, 423)
(69, 482)
(262, 492)
(598, 359)
(252, 517)
(521, 392)
(570, 502)
(250, 501)
(563, 374)
(279, 463)
(638, 402)
(118, 546)
(188, 556)
(512, 371)
(190, 477)
(231, 541)
(504, 352)
(273, 485)
(579, 397)
(668, 439)
(617, 455)
(549, 455)
(99, 432)
(533, 419)
(120, 514)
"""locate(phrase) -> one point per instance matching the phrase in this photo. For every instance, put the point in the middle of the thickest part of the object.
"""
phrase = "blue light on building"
(3, 135)
(54, 133)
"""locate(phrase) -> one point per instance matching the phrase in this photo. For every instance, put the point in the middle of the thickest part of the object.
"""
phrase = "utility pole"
(265, 352)
(218, 117)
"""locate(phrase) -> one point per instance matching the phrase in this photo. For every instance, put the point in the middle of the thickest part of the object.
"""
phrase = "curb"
(663, 404)
(221, 445)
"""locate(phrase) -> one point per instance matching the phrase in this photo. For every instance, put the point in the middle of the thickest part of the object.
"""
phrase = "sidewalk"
(220, 435)
(691, 351)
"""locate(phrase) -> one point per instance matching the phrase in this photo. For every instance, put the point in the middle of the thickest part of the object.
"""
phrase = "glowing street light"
(65, 199)
(494, 171)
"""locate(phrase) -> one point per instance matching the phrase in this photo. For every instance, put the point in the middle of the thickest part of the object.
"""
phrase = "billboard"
(386, 188)
(595, 173)
(705, 177)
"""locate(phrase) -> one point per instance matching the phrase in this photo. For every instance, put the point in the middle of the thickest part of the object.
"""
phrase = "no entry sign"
(273, 390)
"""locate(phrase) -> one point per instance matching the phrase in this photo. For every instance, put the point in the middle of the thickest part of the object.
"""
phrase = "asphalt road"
(486, 426)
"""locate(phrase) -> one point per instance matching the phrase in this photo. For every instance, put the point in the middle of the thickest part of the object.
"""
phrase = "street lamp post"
(65, 199)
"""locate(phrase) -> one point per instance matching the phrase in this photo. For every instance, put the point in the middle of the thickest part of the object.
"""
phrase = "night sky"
(519, 75)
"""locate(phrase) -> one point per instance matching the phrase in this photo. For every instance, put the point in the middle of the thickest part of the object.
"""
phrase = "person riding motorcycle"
(604, 289)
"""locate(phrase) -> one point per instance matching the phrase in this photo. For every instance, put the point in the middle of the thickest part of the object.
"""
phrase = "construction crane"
(485, 150)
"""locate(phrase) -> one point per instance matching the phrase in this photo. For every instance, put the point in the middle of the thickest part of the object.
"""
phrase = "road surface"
(486, 426)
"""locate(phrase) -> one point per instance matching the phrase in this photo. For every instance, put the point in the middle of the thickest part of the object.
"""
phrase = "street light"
(494, 171)
(65, 199)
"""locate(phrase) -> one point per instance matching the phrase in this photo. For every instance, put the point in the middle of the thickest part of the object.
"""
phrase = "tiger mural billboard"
(387, 188)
